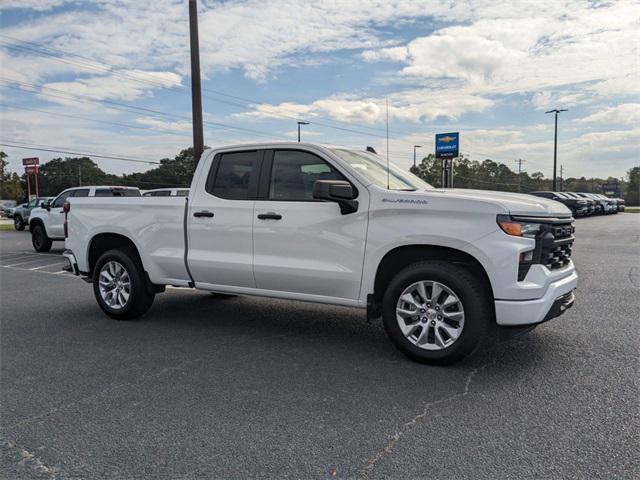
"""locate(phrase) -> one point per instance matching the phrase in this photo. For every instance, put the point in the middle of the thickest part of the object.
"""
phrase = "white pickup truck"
(443, 268)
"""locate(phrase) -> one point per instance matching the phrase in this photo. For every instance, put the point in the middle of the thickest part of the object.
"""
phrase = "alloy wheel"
(114, 284)
(430, 315)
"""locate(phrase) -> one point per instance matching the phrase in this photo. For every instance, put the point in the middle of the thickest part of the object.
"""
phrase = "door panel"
(221, 246)
(312, 249)
(302, 245)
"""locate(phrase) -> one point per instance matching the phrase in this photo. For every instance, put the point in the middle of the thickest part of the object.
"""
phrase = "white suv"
(46, 223)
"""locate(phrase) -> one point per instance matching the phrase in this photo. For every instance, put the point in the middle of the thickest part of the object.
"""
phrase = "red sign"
(31, 161)
(32, 169)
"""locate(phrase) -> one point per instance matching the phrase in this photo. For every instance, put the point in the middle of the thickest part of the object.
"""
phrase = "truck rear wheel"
(120, 285)
(436, 312)
(39, 239)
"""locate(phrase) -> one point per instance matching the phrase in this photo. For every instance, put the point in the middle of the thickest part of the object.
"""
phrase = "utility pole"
(561, 179)
(555, 146)
(79, 174)
(196, 87)
(414, 155)
(301, 123)
(520, 162)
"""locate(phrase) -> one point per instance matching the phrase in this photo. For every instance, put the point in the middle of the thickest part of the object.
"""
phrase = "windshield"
(374, 168)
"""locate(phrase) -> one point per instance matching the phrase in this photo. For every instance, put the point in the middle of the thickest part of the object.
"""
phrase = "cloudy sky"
(112, 77)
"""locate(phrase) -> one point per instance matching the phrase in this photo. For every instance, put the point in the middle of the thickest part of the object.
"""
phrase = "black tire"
(18, 223)
(140, 296)
(478, 319)
(39, 239)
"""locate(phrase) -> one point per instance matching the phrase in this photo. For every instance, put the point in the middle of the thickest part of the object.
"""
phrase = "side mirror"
(24, 205)
(337, 191)
(47, 205)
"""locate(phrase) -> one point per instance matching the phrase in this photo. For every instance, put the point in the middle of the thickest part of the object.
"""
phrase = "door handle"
(269, 216)
(203, 213)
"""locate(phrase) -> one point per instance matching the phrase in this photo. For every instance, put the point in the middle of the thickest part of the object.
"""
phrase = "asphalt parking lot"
(203, 387)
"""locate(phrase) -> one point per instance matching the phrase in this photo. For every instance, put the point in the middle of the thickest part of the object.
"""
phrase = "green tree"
(633, 187)
(176, 172)
(59, 174)
(10, 184)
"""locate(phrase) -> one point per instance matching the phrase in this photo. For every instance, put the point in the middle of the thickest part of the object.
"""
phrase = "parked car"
(166, 192)
(601, 207)
(299, 221)
(46, 222)
(621, 204)
(7, 206)
(612, 203)
(579, 207)
(591, 203)
(605, 205)
(22, 213)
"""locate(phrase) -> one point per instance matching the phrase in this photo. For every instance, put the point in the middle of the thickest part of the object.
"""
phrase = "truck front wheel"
(120, 286)
(39, 239)
(436, 312)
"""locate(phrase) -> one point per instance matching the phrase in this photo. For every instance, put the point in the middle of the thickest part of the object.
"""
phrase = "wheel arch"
(37, 221)
(400, 257)
(103, 242)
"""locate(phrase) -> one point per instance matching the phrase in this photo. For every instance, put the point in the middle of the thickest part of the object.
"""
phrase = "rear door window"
(236, 176)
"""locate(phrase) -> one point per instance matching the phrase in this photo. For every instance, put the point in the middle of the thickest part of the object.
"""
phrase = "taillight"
(65, 208)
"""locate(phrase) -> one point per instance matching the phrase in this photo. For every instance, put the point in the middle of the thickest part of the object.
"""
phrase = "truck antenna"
(387, 104)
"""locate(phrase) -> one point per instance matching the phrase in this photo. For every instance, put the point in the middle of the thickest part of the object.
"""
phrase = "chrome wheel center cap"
(432, 314)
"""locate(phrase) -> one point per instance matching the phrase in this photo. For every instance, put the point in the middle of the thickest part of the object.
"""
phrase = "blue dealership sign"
(447, 145)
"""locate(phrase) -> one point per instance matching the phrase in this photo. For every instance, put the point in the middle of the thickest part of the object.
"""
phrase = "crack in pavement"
(408, 426)
(30, 460)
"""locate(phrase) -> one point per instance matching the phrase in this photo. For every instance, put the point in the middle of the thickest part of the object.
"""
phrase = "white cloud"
(626, 113)
(38, 5)
(119, 85)
(410, 106)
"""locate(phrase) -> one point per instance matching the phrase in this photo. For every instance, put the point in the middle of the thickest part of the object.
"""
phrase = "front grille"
(556, 243)
(553, 249)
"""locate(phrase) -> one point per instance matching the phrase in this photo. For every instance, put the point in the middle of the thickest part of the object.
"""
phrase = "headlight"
(518, 229)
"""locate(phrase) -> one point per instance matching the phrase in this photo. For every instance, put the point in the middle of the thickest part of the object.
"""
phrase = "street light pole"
(555, 146)
(414, 155)
(196, 87)
(520, 173)
(301, 123)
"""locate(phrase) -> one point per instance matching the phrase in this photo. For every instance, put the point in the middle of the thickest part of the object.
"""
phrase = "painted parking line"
(46, 272)
(48, 265)
(30, 261)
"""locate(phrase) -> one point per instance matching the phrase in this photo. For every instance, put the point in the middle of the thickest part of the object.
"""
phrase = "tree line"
(60, 173)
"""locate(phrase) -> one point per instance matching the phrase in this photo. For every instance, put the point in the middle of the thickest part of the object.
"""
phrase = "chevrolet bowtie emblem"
(447, 139)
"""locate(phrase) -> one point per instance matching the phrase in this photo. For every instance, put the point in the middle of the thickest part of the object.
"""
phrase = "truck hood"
(513, 203)
(504, 202)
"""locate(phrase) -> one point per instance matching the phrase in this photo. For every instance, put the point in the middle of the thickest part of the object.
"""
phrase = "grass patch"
(632, 209)
(6, 226)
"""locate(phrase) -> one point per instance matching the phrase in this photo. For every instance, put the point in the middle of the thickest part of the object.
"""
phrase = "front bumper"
(73, 264)
(558, 298)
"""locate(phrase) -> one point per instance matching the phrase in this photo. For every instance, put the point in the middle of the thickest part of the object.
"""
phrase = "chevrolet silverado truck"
(46, 222)
(443, 269)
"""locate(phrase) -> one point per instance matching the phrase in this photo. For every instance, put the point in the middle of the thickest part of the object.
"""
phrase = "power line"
(114, 104)
(105, 68)
(58, 114)
(48, 148)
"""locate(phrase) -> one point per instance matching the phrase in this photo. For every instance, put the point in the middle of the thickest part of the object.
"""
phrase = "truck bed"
(154, 224)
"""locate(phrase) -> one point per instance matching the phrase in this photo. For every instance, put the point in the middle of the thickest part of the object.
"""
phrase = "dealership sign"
(32, 169)
(447, 145)
(30, 161)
